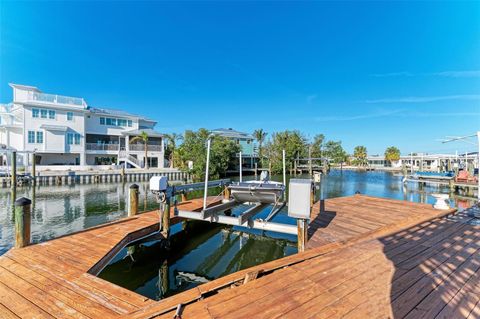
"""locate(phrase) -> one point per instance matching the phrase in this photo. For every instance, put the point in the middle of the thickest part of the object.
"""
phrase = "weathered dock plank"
(367, 257)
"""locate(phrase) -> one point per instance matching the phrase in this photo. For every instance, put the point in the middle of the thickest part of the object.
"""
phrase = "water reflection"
(202, 252)
(59, 210)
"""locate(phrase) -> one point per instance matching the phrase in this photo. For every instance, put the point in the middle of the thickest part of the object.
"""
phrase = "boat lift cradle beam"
(235, 221)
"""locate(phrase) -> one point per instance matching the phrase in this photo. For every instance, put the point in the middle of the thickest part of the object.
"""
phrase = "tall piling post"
(34, 168)
(310, 170)
(133, 200)
(13, 174)
(166, 218)
(22, 222)
(302, 227)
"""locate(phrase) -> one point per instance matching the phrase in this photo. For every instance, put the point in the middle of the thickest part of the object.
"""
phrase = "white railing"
(101, 147)
(57, 99)
(141, 147)
(122, 155)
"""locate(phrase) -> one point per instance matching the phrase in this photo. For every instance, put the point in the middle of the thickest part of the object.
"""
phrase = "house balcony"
(56, 99)
(141, 148)
(102, 147)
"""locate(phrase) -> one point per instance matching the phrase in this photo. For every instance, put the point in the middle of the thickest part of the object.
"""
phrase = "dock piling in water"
(133, 202)
(302, 226)
(22, 222)
(13, 175)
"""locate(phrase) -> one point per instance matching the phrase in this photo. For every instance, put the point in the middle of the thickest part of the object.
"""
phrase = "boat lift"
(258, 194)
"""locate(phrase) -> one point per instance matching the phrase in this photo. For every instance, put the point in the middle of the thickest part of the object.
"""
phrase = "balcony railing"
(141, 147)
(101, 147)
(56, 99)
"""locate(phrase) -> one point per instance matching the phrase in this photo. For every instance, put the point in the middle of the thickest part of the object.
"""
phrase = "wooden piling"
(133, 202)
(302, 227)
(34, 168)
(22, 222)
(13, 175)
(166, 219)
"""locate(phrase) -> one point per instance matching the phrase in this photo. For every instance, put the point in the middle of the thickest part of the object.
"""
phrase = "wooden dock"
(367, 258)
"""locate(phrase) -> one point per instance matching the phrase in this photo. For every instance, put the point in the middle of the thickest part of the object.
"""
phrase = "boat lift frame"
(246, 219)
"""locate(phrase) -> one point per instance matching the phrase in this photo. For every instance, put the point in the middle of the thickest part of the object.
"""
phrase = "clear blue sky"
(375, 73)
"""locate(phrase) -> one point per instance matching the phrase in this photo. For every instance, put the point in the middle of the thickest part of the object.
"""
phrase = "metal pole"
(240, 166)
(284, 171)
(206, 175)
(310, 160)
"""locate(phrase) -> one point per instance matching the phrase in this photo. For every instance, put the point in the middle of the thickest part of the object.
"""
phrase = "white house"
(64, 130)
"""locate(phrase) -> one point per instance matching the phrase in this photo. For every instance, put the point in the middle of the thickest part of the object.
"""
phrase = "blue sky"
(371, 73)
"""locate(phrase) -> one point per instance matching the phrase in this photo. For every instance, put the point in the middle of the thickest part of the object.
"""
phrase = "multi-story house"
(63, 130)
(247, 146)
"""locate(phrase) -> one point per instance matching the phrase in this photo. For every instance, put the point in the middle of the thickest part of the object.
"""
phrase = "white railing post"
(206, 175)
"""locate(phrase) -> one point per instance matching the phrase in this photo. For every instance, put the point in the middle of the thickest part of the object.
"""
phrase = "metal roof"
(149, 131)
(229, 132)
(114, 112)
(54, 127)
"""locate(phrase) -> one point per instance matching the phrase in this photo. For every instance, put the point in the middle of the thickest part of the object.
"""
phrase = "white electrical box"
(158, 183)
(317, 177)
(299, 197)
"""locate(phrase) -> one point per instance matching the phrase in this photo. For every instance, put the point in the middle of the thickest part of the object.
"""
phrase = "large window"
(115, 122)
(39, 137)
(35, 112)
(77, 139)
(69, 116)
(69, 138)
(43, 113)
(51, 114)
(31, 137)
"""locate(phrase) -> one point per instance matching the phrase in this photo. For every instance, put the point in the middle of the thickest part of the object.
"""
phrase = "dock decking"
(369, 257)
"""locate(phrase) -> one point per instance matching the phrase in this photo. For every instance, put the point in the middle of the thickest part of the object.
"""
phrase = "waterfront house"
(247, 144)
(66, 131)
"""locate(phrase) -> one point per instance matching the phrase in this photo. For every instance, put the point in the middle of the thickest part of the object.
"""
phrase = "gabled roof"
(24, 87)
(231, 133)
(114, 112)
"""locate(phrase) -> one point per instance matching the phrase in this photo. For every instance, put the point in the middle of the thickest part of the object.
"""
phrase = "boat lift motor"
(159, 187)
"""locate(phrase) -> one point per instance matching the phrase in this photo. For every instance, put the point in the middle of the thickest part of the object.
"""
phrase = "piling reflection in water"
(200, 253)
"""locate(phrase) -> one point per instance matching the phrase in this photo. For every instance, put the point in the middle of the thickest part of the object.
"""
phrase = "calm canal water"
(201, 253)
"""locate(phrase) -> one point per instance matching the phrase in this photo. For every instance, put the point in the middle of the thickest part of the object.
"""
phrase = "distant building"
(64, 130)
(426, 162)
(247, 146)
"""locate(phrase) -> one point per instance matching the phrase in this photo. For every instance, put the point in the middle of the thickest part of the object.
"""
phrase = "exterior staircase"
(123, 156)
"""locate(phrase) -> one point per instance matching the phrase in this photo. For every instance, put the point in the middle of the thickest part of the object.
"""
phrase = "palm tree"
(360, 155)
(260, 136)
(172, 143)
(144, 138)
(392, 154)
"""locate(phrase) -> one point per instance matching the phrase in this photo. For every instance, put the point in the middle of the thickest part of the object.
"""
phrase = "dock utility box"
(158, 183)
(299, 197)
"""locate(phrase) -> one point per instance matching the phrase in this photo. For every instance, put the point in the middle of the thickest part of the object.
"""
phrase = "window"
(39, 137)
(69, 116)
(35, 112)
(111, 121)
(51, 114)
(121, 122)
(129, 122)
(31, 137)
(102, 121)
(69, 138)
(77, 139)
(43, 114)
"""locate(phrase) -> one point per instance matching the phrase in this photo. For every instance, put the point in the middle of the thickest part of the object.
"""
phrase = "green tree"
(171, 150)
(317, 145)
(335, 152)
(194, 148)
(260, 136)
(144, 138)
(293, 142)
(360, 155)
(392, 154)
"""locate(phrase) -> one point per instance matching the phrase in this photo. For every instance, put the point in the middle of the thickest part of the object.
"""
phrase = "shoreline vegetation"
(269, 152)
